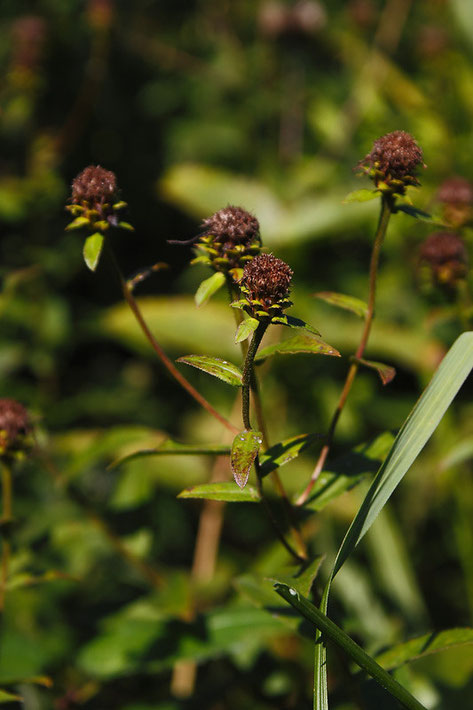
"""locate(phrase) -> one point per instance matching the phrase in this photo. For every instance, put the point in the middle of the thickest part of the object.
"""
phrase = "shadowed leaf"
(174, 447)
(348, 303)
(363, 195)
(284, 451)
(425, 645)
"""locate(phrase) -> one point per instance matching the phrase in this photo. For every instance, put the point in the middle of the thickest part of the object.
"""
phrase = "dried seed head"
(393, 161)
(456, 190)
(94, 185)
(267, 278)
(14, 426)
(446, 255)
(231, 226)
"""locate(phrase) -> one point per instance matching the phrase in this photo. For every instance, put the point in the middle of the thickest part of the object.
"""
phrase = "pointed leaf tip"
(245, 448)
(92, 250)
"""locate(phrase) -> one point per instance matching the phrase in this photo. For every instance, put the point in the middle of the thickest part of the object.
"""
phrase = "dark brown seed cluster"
(267, 278)
(446, 255)
(94, 186)
(14, 426)
(396, 155)
(456, 190)
(231, 226)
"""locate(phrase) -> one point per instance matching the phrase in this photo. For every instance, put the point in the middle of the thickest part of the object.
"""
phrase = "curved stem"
(169, 365)
(6, 520)
(385, 214)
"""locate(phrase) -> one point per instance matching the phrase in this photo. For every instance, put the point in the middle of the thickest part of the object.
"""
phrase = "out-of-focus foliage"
(194, 106)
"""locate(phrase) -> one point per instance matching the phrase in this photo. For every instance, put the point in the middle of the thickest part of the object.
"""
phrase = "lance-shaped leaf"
(341, 300)
(416, 213)
(363, 195)
(92, 250)
(301, 343)
(208, 287)
(292, 322)
(425, 645)
(77, 223)
(386, 372)
(7, 697)
(284, 451)
(170, 447)
(224, 370)
(245, 448)
(246, 328)
(224, 491)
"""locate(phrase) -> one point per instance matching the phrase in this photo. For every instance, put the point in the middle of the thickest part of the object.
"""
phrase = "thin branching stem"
(385, 214)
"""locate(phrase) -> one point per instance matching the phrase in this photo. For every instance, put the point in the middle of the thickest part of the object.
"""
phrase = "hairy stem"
(169, 365)
(385, 214)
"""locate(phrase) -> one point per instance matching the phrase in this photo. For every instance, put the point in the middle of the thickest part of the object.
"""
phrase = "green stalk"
(6, 520)
(385, 214)
(248, 374)
(343, 641)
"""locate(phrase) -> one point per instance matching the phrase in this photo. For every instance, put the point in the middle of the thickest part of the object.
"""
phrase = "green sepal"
(77, 223)
(363, 195)
(208, 287)
(92, 250)
(120, 205)
(245, 448)
(246, 328)
(126, 225)
(224, 370)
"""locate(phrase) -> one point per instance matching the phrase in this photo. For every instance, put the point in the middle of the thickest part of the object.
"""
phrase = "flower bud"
(229, 239)
(444, 258)
(456, 196)
(15, 427)
(94, 200)
(265, 286)
(393, 162)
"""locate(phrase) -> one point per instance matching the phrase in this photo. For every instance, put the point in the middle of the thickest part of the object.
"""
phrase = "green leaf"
(245, 448)
(295, 323)
(224, 491)
(363, 195)
(348, 303)
(349, 470)
(208, 287)
(224, 370)
(386, 372)
(92, 250)
(126, 225)
(301, 343)
(321, 622)
(6, 697)
(415, 212)
(246, 328)
(285, 451)
(425, 645)
(174, 447)
(414, 434)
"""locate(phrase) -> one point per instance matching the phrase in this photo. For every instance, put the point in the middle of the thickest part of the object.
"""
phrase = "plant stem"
(6, 520)
(248, 374)
(343, 641)
(385, 214)
(172, 369)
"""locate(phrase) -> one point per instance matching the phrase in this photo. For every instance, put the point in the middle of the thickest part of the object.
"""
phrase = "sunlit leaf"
(224, 370)
(363, 195)
(6, 697)
(301, 343)
(208, 287)
(425, 645)
(295, 323)
(245, 448)
(224, 491)
(246, 328)
(92, 249)
(348, 303)
(386, 372)
(284, 451)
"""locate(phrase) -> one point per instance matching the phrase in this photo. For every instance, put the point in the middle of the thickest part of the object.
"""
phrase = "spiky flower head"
(265, 286)
(229, 239)
(445, 257)
(456, 196)
(94, 201)
(393, 162)
(15, 428)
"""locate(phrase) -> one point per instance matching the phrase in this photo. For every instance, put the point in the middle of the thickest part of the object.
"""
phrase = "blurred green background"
(196, 105)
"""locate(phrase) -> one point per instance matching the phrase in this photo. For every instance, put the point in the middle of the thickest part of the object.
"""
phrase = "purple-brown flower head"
(229, 239)
(456, 196)
(94, 202)
(393, 162)
(15, 426)
(265, 286)
(445, 256)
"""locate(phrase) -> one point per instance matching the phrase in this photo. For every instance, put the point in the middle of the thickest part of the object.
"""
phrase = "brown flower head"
(456, 196)
(393, 161)
(231, 226)
(15, 425)
(266, 279)
(94, 186)
(445, 254)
